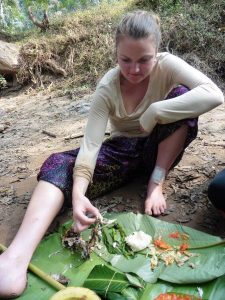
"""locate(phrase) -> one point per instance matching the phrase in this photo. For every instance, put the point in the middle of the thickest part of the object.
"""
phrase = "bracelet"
(158, 175)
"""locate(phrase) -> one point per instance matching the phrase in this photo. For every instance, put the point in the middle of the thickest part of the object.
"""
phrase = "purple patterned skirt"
(120, 159)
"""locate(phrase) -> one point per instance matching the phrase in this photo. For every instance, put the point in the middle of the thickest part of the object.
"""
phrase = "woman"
(148, 135)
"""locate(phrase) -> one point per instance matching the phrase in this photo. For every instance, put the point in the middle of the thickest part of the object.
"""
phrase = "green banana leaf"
(213, 290)
(209, 262)
(52, 258)
(111, 284)
(106, 279)
(127, 294)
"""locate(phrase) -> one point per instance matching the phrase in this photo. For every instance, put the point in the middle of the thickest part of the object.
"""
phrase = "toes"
(148, 209)
(148, 212)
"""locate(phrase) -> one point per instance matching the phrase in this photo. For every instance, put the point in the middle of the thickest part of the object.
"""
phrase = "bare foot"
(155, 203)
(13, 277)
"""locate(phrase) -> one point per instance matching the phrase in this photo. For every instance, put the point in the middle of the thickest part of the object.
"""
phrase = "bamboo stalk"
(41, 274)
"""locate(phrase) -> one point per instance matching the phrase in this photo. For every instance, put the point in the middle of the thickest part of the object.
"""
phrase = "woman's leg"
(168, 150)
(163, 150)
(45, 204)
(216, 191)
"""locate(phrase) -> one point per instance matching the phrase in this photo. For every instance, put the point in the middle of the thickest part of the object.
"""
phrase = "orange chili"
(161, 244)
(174, 235)
(184, 247)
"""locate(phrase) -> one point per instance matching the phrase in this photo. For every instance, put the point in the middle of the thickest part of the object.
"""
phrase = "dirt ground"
(34, 125)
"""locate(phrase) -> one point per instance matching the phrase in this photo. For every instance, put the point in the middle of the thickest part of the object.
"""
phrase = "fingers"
(82, 222)
(94, 211)
(90, 216)
(85, 214)
(84, 219)
(78, 227)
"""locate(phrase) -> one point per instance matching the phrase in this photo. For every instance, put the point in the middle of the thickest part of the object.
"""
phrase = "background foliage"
(14, 16)
(78, 48)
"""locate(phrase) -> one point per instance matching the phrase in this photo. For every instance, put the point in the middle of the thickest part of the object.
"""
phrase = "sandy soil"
(34, 125)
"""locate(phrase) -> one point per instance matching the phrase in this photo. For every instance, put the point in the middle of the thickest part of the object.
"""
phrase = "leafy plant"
(114, 239)
(3, 82)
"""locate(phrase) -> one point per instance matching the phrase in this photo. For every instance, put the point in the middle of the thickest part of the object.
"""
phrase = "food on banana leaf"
(161, 244)
(74, 241)
(114, 237)
(75, 293)
(61, 278)
(174, 235)
(173, 296)
(138, 240)
(160, 250)
(184, 247)
(179, 235)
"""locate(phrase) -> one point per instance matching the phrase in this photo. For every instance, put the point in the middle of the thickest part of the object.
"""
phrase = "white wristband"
(158, 175)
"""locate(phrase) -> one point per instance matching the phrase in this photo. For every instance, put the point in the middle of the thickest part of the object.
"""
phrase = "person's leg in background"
(216, 191)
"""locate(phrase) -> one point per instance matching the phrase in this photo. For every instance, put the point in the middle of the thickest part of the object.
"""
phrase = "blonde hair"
(139, 24)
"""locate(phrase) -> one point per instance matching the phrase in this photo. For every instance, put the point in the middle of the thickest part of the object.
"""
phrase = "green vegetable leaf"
(104, 279)
(114, 239)
(135, 281)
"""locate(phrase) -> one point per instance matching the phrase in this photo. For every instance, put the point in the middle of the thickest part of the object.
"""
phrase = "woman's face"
(136, 58)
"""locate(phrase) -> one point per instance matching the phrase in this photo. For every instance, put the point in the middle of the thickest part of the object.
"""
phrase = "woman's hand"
(84, 213)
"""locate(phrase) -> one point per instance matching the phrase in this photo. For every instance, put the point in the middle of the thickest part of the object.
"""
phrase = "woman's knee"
(177, 91)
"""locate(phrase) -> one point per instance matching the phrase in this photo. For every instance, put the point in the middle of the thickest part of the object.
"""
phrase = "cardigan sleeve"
(203, 96)
(93, 137)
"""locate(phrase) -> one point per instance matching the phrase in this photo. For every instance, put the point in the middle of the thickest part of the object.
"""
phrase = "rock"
(2, 128)
(2, 112)
(9, 58)
(81, 108)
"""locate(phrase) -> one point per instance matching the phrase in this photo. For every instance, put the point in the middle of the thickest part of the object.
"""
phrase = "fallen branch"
(52, 66)
(44, 25)
(49, 133)
(214, 144)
